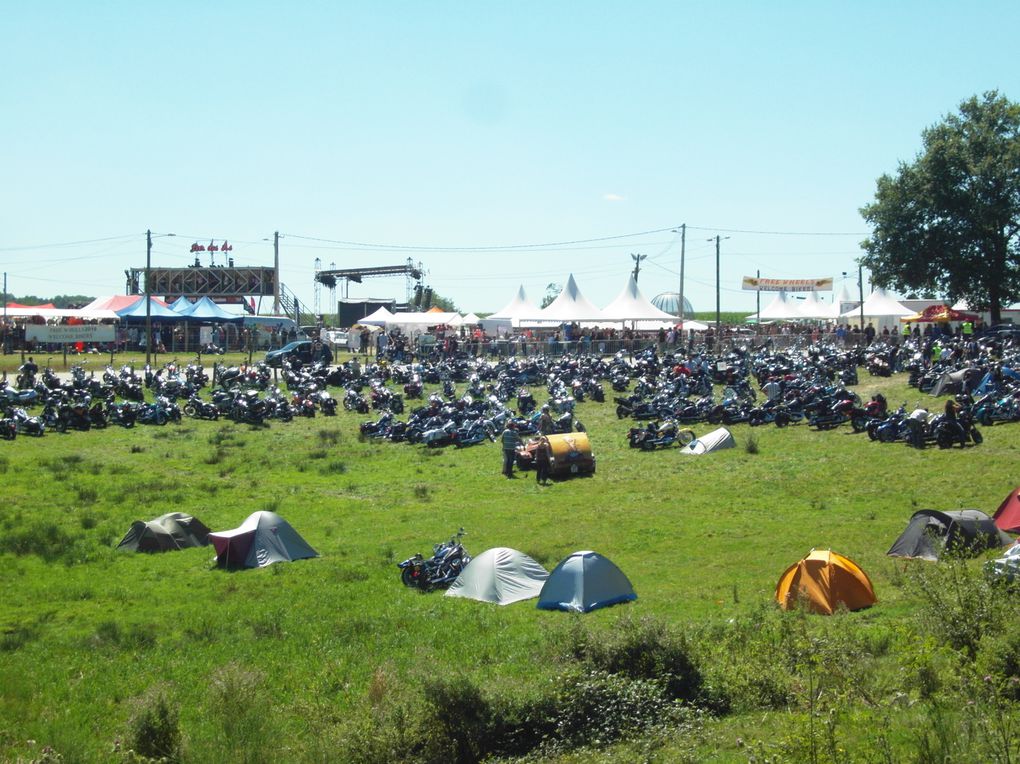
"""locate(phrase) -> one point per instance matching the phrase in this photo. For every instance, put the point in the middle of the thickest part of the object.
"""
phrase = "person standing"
(543, 458)
(510, 441)
(545, 422)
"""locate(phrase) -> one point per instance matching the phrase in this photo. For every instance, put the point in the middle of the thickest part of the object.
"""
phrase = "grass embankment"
(331, 656)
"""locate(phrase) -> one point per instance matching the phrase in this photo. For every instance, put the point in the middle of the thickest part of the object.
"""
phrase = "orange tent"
(823, 581)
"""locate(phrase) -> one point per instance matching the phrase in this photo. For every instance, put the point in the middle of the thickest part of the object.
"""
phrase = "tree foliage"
(949, 221)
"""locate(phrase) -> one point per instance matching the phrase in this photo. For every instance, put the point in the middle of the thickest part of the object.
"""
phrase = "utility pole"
(3, 349)
(718, 312)
(276, 274)
(683, 250)
(637, 264)
(860, 290)
(757, 297)
(148, 297)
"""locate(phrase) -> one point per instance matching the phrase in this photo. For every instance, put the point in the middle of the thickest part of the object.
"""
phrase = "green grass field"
(331, 659)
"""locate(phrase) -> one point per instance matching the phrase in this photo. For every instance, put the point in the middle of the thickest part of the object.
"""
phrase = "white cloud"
(613, 197)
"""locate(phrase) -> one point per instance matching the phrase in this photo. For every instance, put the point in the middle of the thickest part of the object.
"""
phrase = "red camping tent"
(1007, 516)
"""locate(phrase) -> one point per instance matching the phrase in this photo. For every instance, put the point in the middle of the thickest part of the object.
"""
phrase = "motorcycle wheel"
(407, 577)
(944, 438)
(160, 418)
(859, 423)
(622, 412)
(976, 436)
(986, 418)
(782, 419)
(685, 437)
(190, 410)
(60, 425)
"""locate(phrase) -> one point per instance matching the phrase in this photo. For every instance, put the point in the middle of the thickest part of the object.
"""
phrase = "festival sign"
(756, 284)
(69, 333)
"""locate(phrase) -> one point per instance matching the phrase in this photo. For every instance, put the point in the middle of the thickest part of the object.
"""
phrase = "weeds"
(154, 729)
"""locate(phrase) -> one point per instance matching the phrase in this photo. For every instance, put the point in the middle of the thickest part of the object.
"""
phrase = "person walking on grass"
(510, 441)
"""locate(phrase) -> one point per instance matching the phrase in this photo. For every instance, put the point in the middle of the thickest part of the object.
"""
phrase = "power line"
(422, 248)
(782, 233)
(66, 243)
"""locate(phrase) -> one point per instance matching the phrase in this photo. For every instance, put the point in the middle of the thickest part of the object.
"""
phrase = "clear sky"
(453, 133)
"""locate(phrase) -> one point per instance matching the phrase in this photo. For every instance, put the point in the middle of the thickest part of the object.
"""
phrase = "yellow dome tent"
(823, 581)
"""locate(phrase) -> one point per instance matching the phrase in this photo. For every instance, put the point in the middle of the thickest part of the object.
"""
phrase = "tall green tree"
(949, 222)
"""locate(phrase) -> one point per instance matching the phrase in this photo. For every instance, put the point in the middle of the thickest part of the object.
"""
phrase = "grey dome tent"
(166, 533)
(930, 533)
(583, 582)
(500, 575)
(262, 539)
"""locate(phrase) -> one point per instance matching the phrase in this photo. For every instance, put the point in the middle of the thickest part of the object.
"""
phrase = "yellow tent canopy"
(823, 581)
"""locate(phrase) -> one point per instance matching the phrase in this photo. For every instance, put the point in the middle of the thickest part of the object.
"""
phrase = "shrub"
(960, 606)
(599, 708)
(241, 706)
(751, 444)
(642, 649)
(154, 729)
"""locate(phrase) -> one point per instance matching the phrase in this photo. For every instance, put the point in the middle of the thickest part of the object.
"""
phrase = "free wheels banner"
(756, 284)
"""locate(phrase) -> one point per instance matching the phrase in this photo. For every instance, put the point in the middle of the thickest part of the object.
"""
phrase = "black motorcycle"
(438, 571)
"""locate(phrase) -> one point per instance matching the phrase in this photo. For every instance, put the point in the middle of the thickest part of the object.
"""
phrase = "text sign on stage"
(756, 284)
(70, 333)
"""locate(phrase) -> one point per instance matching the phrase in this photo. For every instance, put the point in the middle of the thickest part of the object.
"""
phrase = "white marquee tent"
(879, 309)
(570, 305)
(631, 305)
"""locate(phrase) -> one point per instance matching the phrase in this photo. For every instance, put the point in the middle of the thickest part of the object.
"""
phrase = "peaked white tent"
(500, 575)
(812, 307)
(262, 539)
(879, 309)
(379, 318)
(713, 441)
(570, 305)
(583, 582)
(471, 319)
(631, 305)
(780, 309)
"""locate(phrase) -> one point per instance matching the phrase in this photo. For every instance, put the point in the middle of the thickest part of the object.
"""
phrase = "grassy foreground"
(332, 659)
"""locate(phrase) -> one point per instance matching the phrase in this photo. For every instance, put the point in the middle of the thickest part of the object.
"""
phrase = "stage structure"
(413, 273)
(222, 283)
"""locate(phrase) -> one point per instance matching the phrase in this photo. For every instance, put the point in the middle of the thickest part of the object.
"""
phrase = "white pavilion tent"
(503, 320)
(813, 308)
(569, 306)
(879, 309)
(380, 317)
(631, 305)
(780, 309)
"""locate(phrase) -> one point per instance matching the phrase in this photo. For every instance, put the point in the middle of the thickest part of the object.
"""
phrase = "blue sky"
(453, 133)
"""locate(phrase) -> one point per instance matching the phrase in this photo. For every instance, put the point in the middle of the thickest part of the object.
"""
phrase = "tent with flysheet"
(500, 575)
(931, 533)
(1007, 516)
(583, 582)
(262, 539)
(823, 582)
(166, 533)
(716, 440)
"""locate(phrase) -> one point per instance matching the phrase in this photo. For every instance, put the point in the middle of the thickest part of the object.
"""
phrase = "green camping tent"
(166, 533)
